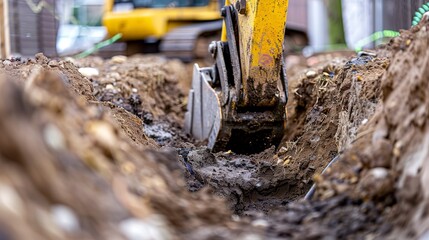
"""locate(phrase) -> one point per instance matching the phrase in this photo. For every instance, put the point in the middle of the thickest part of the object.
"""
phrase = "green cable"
(419, 13)
(374, 37)
(99, 45)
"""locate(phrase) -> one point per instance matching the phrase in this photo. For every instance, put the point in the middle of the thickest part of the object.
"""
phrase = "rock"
(65, 218)
(89, 72)
(71, 60)
(10, 200)
(53, 63)
(261, 223)
(311, 74)
(54, 137)
(109, 87)
(145, 229)
(103, 133)
(42, 59)
(119, 59)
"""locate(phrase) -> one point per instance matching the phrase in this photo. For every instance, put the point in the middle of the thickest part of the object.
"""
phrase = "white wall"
(358, 20)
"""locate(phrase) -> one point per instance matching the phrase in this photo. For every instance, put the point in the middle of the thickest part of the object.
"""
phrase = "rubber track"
(181, 41)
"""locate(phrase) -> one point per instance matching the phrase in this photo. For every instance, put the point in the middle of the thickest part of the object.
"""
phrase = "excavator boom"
(239, 103)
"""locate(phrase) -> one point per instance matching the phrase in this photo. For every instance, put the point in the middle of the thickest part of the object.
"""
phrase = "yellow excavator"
(184, 26)
(239, 103)
(180, 28)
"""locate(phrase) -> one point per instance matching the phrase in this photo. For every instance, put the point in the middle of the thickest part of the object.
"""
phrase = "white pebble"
(89, 72)
(65, 218)
(54, 138)
(260, 223)
(151, 228)
(10, 200)
(379, 173)
(311, 74)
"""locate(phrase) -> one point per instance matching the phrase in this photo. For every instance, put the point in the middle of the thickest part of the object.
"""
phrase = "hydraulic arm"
(239, 103)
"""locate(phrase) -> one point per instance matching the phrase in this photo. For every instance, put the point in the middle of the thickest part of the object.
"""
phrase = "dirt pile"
(387, 166)
(70, 171)
(104, 156)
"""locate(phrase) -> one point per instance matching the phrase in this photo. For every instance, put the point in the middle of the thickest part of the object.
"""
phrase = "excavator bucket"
(204, 116)
(239, 104)
(223, 126)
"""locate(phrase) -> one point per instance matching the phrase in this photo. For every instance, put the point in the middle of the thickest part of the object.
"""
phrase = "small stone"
(397, 149)
(54, 138)
(286, 162)
(251, 237)
(10, 200)
(65, 218)
(379, 173)
(260, 223)
(89, 72)
(119, 59)
(40, 58)
(53, 63)
(110, 87)
(70, 60)
(311, 74)
(282, 150)
(115, 75)
(103, 133)
(7, 62)
(150, 228)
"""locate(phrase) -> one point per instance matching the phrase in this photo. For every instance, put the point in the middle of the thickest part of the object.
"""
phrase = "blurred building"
(53, 26)
(364, 17)
(33, 27)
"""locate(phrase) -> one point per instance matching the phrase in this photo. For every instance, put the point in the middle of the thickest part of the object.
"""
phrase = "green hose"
(419, 13)
(374, 37)
(99, 45)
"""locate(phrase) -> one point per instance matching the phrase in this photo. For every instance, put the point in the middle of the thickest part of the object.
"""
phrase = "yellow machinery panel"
(142, 23)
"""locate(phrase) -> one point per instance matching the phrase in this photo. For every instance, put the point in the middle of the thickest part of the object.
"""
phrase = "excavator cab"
(166, 3)
(239, 104)
(174, 27)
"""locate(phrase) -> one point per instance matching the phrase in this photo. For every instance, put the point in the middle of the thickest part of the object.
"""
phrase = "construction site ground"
(95, 149)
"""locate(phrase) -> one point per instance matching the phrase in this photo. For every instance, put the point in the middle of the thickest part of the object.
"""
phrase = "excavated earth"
(94, 149)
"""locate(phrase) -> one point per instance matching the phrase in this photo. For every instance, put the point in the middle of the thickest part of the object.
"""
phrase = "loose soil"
(94, 149)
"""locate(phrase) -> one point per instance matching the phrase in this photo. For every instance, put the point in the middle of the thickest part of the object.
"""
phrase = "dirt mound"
(70, 171)
(104, 156)
(387, 166)
(149, 87)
